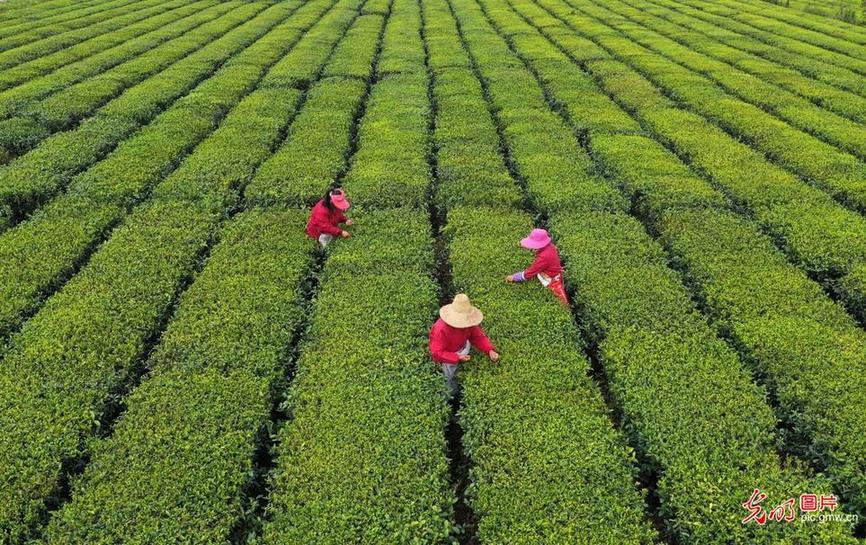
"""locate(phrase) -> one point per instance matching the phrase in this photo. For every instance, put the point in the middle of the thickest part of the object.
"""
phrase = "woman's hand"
(349, 222)
(494, 356)
(464, 358)
(345, 234)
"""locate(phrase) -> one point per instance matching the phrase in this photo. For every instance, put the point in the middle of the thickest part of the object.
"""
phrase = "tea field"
(179, 364)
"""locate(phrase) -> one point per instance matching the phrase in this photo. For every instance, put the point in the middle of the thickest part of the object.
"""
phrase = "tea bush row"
(95, 56)
(718, 28)
(35, 116)
(738, 271)
(36, 177)
(822, 94)
(825, 239)
(40, 252)
(107, 21)
(651, 342)
(234, 324)
(537, 476)
(362, 459)
(110, 311)
(90, 12)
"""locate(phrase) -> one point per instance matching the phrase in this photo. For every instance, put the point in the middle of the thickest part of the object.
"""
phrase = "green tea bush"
(543, 147)
(172, 468)
(214, 369)
(469, 164)
(137, 74)
(444, 49)
(54, 393)
(547, 466)
(54, 240)
(151, 21)
(824, 25)
(638, 162)
(35, 177)
(20, 134)
(315, 148)
(240, 312)
(718, 28)
(68, 94)
(778, 27)
(130, 284)
(824, 237)
(402, 50)
(376, 7)
(799, 112)
(520, 415)
(304, 63)
(806, 345)
(35, 45)
(655, 346)
(353, 57)
(787, 43)
(314, 152)
(839, 173)
(364, 373)
(820, 93)
(54, 17)
(387, 235)
(390, 168)
(49, 38)
(18, 13)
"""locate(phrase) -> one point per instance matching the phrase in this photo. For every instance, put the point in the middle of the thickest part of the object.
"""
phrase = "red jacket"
(445, 341)
(325, 221)
(546, 261)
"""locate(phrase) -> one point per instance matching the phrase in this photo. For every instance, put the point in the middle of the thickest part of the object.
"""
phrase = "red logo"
(786, 511)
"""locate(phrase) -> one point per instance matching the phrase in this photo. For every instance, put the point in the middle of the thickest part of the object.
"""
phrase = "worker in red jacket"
(454, 333)
(546, 267)
(327, 216)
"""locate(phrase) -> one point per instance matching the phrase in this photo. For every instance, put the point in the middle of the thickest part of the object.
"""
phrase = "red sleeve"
(479, 340)
(437, 348)
(323, 222)
(537, 266)
(343, 218)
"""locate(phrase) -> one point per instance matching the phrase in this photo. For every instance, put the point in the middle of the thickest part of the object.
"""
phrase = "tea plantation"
(181, 364)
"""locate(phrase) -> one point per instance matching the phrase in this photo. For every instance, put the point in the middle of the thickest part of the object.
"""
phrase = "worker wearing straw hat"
(546, 267)
(327, 216)
(453, 335)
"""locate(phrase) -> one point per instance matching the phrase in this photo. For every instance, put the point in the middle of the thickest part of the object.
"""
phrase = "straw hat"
(461, 313)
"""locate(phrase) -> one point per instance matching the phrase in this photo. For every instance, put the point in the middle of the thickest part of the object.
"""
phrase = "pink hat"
(536, 240)
(338, 199)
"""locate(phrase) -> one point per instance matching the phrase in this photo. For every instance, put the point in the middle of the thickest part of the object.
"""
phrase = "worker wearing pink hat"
(546, 267)
(327, 216)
